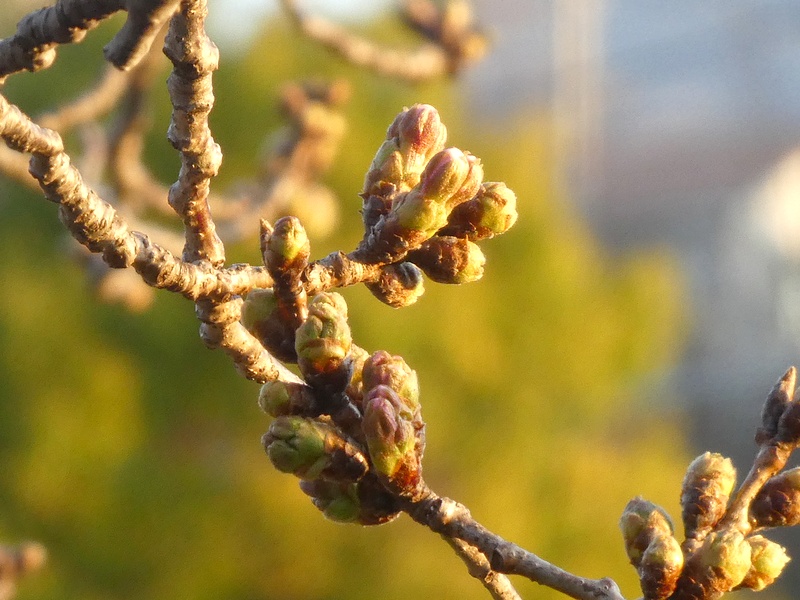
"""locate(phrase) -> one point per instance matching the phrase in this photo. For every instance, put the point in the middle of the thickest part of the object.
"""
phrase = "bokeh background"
(634, 317)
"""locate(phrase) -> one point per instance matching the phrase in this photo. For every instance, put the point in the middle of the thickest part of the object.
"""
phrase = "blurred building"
(678, 124)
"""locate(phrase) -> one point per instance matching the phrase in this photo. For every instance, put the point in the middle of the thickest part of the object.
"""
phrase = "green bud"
(395, 441)
(400, 284)
(337, 501)
(775, 405)
(491, 212)
(444, 174)
(365, 502)
(258, 306)
(767, 562)
(777, 504)
(386, 168)
(640, 523)
(261, 317)
(323, 341)
(418, 216)
(449, 260)
(660, 567)
(722, 561)
(381, 368)
(312, 449)
(287, 247)
(278, 398)
(416, 134)
(471, 184)
(450, 178)
(705, 492)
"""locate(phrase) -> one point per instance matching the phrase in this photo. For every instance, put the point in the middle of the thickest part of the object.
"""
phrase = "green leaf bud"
(394, 441)
(640, 523)
(775, 405)
(491, 212)
(278, 398)
(777, 504)
(767, 562)
(312, 449)
(381, 368)
(261, 317)
(705, 492)
(660, 567)
(399, 285)
(449, 260)
(323, 341)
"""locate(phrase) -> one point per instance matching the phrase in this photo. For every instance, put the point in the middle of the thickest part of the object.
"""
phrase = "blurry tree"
(132, 454)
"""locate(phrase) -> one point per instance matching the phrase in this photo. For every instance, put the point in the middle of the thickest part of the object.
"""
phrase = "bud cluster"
(424, 207)
(351, 426)
(353, 432)
(721, 551)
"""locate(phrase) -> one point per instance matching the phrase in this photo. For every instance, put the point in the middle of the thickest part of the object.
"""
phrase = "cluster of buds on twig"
(355, 448)
(722, 548)
(351, 428)
(425, 207)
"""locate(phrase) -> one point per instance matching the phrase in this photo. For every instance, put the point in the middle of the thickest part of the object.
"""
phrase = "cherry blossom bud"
(705, 492)
(722, 561)
(449, 260)
(775, 405)
(777, 504)
(364, 502)
(381, 368)
(412, 139)
(261, 317)
(286, 247)
(767, 562)
(641, 522)
(312, 449)
(395, 440)
(660, 567)
(400, 285)
(323, 341)
(491, 212)
(278, 398)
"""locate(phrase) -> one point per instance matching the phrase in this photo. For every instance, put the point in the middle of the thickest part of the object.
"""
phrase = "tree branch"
(452, 520)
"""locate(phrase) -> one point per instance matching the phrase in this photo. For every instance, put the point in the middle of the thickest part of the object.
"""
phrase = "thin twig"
(498, 585)
(133, 40)
(33, 46)
(98, 226)
(451, 519)
(422, 64)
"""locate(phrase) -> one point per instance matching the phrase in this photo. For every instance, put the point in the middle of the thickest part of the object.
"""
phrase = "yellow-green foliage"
(133, 453)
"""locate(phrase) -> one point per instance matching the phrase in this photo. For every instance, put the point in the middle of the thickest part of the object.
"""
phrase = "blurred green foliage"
(133, 453)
